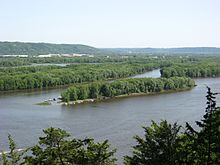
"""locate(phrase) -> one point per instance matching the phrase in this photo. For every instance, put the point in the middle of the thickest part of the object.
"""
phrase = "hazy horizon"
(113, 24)
(119, 47)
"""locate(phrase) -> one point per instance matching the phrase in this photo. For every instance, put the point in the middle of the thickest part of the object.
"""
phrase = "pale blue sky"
(112, 23)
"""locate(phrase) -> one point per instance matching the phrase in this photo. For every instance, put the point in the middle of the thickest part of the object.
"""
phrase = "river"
(116, 119)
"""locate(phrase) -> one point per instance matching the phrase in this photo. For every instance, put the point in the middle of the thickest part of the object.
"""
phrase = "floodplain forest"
(100, 90)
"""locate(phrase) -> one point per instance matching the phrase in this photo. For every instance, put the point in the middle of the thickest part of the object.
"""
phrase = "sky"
(112, 23)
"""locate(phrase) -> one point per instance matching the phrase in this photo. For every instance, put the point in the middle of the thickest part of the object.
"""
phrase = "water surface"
(117, 119)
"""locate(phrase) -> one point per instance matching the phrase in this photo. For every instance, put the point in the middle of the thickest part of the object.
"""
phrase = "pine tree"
(205, 143)
(158, 147)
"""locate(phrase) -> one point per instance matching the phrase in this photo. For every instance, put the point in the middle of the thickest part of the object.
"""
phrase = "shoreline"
(123, 96)
(64, 86)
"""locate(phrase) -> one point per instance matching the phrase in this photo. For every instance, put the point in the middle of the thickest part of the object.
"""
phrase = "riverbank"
(124, 96)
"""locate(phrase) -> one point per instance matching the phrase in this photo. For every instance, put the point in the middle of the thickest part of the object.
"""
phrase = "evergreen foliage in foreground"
(162, 144)
(159, 145)
(57, 148)
(206, 142)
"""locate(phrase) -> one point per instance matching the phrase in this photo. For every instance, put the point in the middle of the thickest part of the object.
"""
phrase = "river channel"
(116, 119)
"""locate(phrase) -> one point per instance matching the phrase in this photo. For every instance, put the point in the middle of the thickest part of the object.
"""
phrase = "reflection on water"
(117, 119)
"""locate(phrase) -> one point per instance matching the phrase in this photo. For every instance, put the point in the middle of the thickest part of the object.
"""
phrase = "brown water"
(117, 119)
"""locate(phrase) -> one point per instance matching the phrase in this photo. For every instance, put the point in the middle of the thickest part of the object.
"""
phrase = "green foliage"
(19, 61)
(44, 103)
(4, 159)
(125, 87)
(14, 156)
(52, 76)
(164, 144)
(55, 148)
(158, 146)
(205, 142)
(30, 77)
(192, 70)
(11, 62)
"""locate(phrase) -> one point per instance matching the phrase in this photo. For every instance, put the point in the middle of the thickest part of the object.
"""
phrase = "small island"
(82, 93)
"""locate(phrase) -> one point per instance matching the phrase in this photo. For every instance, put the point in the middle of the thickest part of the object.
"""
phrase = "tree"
(94, 90)
(105, 90)
(14, 156)
(158, 146)
(55, 148)
(163, 144)
(205, 142)
(73, 94)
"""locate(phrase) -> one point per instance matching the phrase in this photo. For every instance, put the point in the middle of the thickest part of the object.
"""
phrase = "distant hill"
(18, 48)
(166, 51)
(22, 48)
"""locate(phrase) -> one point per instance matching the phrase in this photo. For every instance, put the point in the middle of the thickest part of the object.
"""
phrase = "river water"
(117, 119)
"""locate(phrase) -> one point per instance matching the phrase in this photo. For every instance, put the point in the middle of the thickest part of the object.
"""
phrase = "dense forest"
(196, 70)
(125, 87)
(52, 76)
(200, 67)
(19, 61)
(101, 68)
(162, 144)
(16, 61)
(12, 62)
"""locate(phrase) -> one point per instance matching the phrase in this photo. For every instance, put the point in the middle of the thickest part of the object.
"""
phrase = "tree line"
(11, 62)
(193, 71)
(86, 59)
(162, 144)
(125, 87)
(52, 76)
(16, 61)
